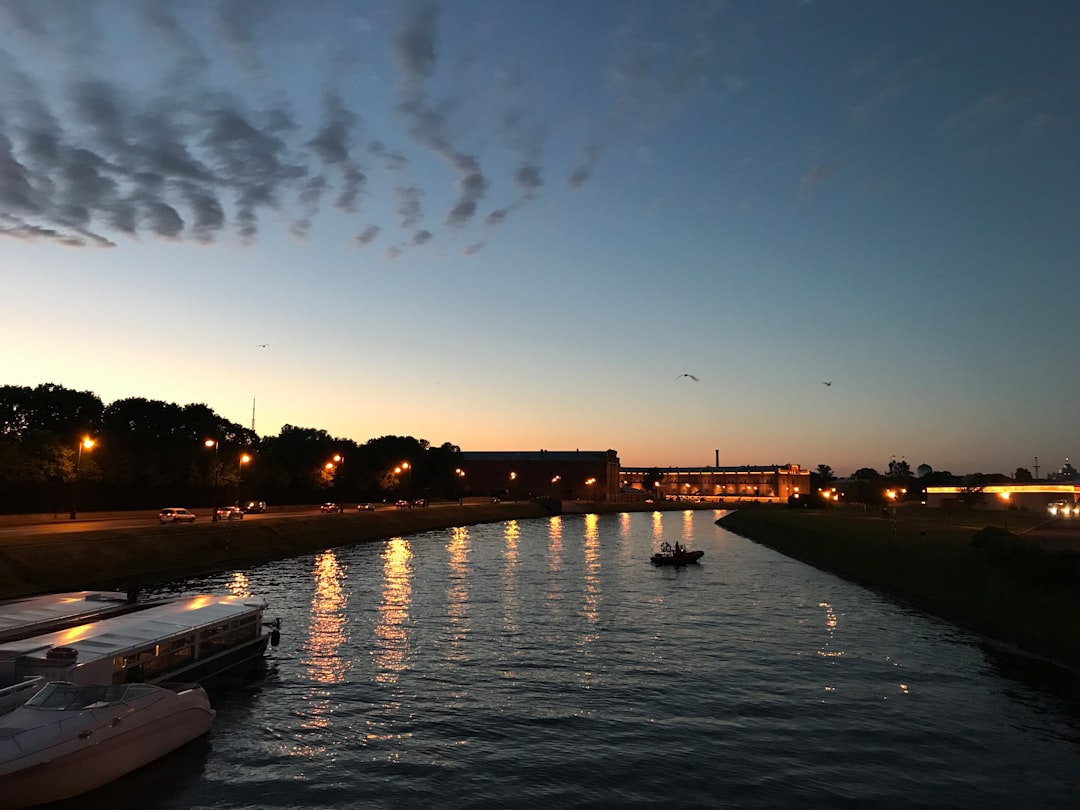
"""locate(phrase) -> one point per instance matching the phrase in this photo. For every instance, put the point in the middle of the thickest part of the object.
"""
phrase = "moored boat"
(69, 739)
(675, 556)
(34, 615)
(186, 638)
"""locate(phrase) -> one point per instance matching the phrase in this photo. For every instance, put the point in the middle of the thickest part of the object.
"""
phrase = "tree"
(899, 469)
(1022, 475)
(825, 474)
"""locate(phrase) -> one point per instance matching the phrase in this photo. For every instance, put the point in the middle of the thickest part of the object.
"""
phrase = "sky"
(516, 225)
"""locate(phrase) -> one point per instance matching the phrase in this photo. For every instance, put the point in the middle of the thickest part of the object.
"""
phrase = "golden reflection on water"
(592, 576)
(457, 592)
(512, 535)
(658, 527)
(391, 633)
(831, 622)
(326, 632)
(555, 530)
(239, 585)
(687, 527)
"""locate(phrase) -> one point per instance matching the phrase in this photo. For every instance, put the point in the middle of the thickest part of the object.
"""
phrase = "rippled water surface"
(546, 663)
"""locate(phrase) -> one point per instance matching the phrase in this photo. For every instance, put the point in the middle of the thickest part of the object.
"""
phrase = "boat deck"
(34, 615)
(107, 637)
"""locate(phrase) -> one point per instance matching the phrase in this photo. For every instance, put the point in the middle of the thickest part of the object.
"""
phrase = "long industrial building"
(596, 475)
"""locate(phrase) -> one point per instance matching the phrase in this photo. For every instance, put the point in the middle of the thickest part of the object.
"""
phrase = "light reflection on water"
(392, 633)
(547, 663)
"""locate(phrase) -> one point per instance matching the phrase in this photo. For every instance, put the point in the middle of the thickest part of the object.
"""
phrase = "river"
(546, 663)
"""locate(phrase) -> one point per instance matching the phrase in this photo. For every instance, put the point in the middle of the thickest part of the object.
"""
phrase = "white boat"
(186, 638)
(69, 739)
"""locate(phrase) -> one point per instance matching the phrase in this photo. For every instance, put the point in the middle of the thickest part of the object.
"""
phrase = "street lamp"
(339, 473)
(510, 486)
(460, 473)
(589, 483)
(213, 482)
(88, 443)
(244, 459)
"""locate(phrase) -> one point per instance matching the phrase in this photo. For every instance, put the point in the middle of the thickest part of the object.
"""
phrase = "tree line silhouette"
(150, 453)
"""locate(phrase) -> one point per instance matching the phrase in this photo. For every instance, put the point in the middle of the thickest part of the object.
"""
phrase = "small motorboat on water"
(675, 556)
(68, 739)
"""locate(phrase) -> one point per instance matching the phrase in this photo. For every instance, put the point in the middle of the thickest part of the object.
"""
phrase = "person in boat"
(679, 549)
(665, 547)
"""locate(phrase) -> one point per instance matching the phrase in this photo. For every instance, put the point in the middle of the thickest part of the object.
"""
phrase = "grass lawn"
(926, 558)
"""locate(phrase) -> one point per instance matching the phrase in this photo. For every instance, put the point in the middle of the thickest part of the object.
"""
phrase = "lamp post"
(213, 481)
(510, 486)
(460, 473)
(589, 482)
(88, 443)
(403, 469)
(244, 459)
(339, 473)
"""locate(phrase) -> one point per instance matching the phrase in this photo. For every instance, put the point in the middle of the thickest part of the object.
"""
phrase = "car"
(402, 504)
(420, 502)
(365, 507)
(330, 507)
(176, 514)
(1063, 508)
(253, 507)
(229, 513)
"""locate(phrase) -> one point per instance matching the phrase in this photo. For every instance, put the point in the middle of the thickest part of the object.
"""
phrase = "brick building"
(591, 475)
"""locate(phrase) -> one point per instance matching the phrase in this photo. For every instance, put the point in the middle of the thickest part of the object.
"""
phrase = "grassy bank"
(118, 558)
(931, 560)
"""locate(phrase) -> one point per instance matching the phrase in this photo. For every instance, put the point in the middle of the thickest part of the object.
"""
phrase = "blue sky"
(513, 225)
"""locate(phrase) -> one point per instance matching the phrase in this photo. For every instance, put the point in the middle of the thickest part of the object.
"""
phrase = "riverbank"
(117, 559)
(975, 569)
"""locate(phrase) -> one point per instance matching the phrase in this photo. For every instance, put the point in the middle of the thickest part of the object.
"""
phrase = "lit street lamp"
(402, 469)
(88, 443)
(337, 465)
(213, 483)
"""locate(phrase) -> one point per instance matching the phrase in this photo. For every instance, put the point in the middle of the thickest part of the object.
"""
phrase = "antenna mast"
(253, 414)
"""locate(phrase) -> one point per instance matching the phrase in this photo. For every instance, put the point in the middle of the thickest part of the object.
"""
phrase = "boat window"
(54, 696)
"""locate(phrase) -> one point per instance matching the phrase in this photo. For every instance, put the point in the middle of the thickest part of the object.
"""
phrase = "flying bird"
(262, 345)
(691, 376)
(827, 383)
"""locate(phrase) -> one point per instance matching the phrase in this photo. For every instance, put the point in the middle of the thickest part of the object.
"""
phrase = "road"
(23, 525)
